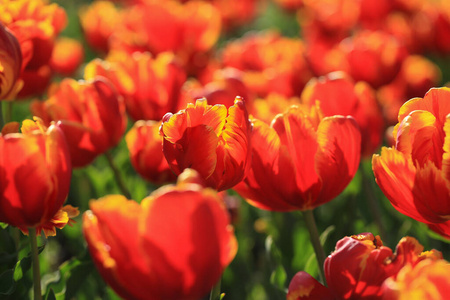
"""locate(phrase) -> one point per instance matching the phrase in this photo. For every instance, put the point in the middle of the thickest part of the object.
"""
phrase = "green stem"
(2, 120)
(215, 291)
(36, 269)
(117, 175)
(308, 216)
(372, 201)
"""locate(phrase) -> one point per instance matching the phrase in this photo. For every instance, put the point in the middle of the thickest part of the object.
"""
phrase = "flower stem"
(215, 291)
(36, 269)
(117, 175)
(308, 216)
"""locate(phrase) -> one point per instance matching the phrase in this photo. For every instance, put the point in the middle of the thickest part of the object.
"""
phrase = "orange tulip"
(301, 161)
(374, 57)
(67, 56)
(151, 86)
(189, 30)
(210, 139)
(99, 21)
(145, 146)
(414, 173)
(91, 114)
(426, 280)
(174, 245)
(10, 64)
(36, 25)
(35, 177)
(359, 267)
(338, 94)
(270, 62)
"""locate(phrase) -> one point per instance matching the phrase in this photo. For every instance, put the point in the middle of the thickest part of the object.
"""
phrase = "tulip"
(426, 280)
(213, 140)
(35, 177)
(90, 113)
(145, 146)
(151, 86)
(270, 63)
(301, 160)
(174, 245)
(359, 268)
(10, 64)
(36, 24)
(338, 94)
(67, 56)
(414, 173)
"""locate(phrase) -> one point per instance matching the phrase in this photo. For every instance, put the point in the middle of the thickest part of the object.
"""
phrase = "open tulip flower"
(211, 139)
(91, 114)
(359, 266)
(414, 174)
(174, 245)
(10, 64)
(301, 160)
(35, 177)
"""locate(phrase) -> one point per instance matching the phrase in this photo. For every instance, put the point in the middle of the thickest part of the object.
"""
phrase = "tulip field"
(224, 149)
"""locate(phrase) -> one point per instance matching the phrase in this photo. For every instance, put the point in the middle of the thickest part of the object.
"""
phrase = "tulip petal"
(270, 180)
(303, 287)
(418, 135)
(395, 175)
(186, 230)
(298, 134)
(110, 230)
(436, 101)
(338, 155)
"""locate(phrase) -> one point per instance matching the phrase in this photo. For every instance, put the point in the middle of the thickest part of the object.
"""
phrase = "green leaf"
(324, 236)
(50, 295)
(23, 265)
(70, 277)
(3, 225)
(278, 277)
(7, 284)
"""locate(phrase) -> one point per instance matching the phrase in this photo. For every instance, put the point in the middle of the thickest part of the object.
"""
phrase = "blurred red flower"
(151, 86)
(67, 56)
(90, 113)
(414, 173)
(145, 146)
(213, 140)
(35, 174)
(174, 245)
(270, 63)
(301, 160)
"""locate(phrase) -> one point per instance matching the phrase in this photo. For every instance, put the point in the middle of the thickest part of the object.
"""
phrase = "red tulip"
(35, 177)
(174, 245)
(151, 86)
(36, 24)
(362, 268)
(90, 113)
(338, 94)
(213, 140)
(145, 145)
(414, 173)
(10, 64)
(301, 161)
(67, 56)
